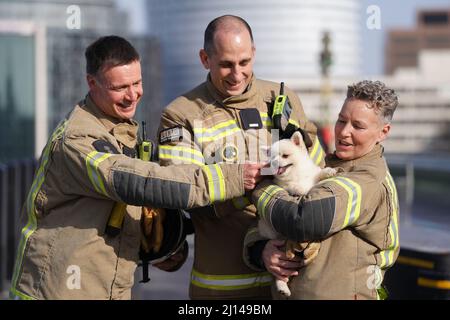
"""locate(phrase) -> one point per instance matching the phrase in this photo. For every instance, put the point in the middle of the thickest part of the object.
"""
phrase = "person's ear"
(204, 58)
(384, 132)
(92, 83)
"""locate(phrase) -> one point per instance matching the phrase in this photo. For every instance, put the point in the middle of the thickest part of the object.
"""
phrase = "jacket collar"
(125, 131)
(375, 154)
(232, 101)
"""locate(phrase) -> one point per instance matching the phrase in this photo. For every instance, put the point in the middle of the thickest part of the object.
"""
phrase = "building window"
(17, 96)
(440, 18)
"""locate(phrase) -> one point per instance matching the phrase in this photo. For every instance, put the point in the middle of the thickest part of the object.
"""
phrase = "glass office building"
(287, 36)
(42, 69)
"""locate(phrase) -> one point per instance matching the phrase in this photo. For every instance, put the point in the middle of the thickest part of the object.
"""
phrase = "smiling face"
(231, 63)
(358, 129)
(117, 90)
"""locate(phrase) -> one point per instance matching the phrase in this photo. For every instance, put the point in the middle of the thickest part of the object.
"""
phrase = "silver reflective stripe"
(264, 199)
(387, 256)
(230, 282)
(287, 111)
(354, 199)
(93, 160)
(16, 295)
(266, 120)
(185, 154)
(220, 130)
(216, 182)
(317, 153)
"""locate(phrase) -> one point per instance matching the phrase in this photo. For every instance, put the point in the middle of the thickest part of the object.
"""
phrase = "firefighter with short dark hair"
(87, 169)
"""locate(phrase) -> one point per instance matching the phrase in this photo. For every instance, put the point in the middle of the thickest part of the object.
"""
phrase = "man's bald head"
(226, 23)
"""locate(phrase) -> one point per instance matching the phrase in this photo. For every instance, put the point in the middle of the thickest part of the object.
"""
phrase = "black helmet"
(176, 227)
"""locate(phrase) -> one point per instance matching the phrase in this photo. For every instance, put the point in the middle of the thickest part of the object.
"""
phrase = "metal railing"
(15, 180)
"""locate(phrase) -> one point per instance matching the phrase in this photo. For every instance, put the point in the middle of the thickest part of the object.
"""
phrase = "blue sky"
(394, 13)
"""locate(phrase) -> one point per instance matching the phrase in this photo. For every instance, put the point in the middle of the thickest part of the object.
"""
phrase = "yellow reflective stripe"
(93, 160)
(216, 182)
(295, 123)
(264, 199)
(218, 131)
(230, 282)
(16, 295)
(415, 262)
(321, 155)
(185, 154)
(30, 227)
(221, 182)
(240, 202)
(182, 149)
(317, 154)
(354, 199)
(393, 224)
(431, 283)
(218, 126)
(211, 189)
(313, 152)
(266, 120)
(218, 135)
(387, 256)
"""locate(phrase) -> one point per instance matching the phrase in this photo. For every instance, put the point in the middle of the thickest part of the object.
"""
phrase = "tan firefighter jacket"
(201, 127)
(356, 215)
(86, 167)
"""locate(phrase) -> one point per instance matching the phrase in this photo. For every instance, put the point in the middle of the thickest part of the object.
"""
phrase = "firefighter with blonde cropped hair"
(354, 215)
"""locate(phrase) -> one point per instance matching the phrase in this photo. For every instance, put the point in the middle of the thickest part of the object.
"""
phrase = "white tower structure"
(287, 36)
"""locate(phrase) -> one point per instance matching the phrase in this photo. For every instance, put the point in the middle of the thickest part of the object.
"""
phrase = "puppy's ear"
(297, 138)
(306, 138)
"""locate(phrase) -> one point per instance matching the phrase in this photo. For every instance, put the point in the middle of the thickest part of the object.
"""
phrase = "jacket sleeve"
(178, 151)
(136, 182)
(252, 249)
(299, 119)
(332, 205)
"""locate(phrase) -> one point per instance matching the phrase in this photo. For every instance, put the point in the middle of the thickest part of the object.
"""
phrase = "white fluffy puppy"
(294, 171)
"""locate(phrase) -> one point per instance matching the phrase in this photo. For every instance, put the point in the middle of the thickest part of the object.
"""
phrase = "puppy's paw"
(328, 173)
(282, 288)
(297, 191)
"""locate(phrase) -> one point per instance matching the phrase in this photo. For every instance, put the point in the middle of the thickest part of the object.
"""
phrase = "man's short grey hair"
(383, 99)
